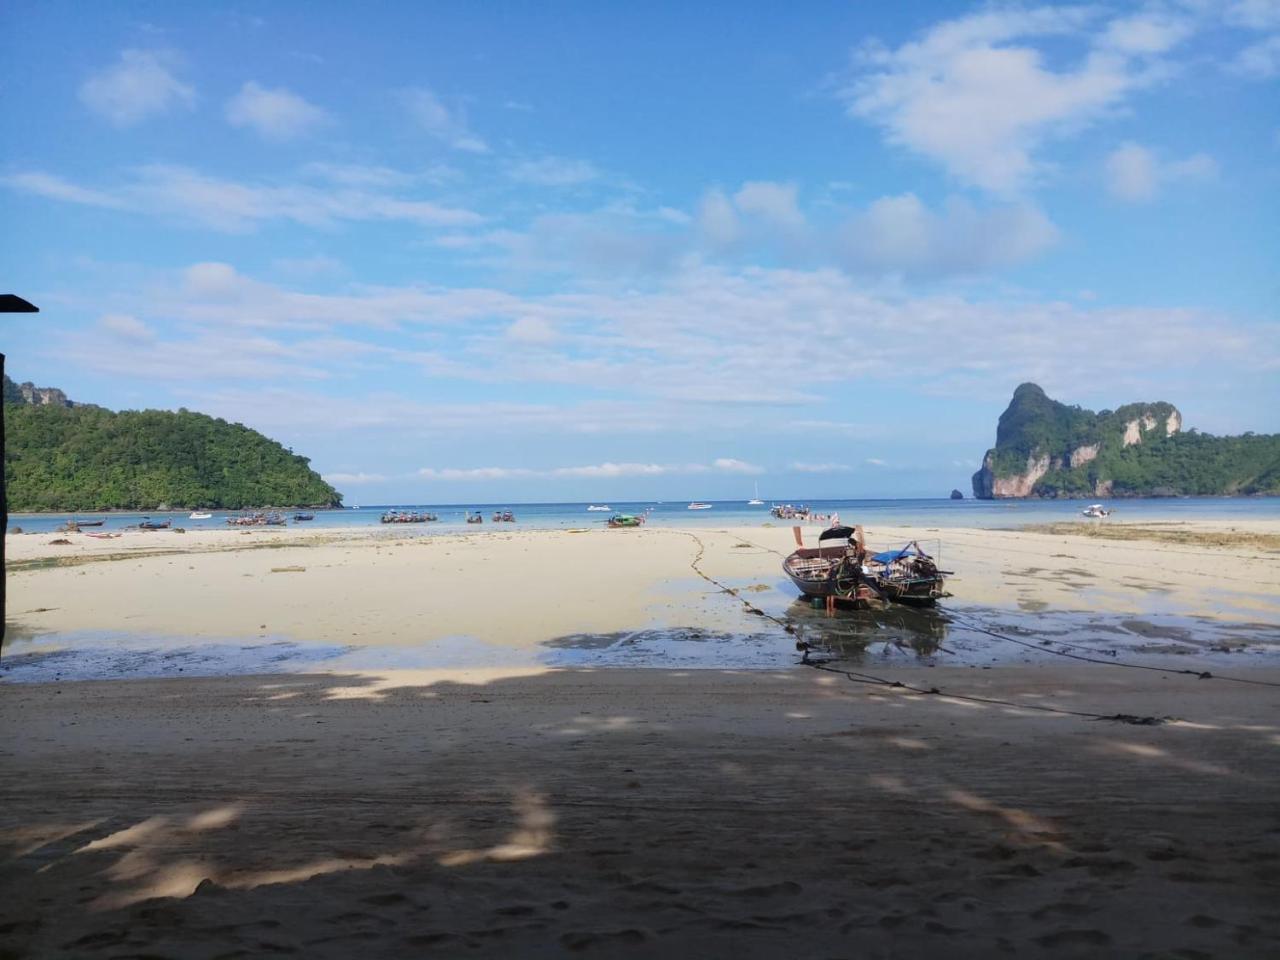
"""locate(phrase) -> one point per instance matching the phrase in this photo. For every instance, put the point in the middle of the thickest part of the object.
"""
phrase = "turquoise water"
(993, 514)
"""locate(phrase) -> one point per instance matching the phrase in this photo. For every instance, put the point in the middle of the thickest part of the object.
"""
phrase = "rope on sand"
(870, 679)
(1044, 644)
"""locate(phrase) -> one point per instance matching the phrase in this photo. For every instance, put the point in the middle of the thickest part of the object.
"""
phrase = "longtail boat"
(843, 569)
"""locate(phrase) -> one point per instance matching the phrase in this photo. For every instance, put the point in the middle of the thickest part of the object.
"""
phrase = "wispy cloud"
(596, 471)
(1136, 174)
(447, 124)
(234, 206)
(820, 467)
(141, 84)
(978, 96)
(277, 114)
(553, 172)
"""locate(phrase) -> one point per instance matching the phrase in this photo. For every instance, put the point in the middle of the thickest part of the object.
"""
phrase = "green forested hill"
(1049, 449)
(85, 458)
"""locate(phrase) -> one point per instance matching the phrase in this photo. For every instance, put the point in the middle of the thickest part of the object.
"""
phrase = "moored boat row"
(406, 516)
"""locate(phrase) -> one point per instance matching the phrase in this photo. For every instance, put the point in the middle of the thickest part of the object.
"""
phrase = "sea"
(940, 513)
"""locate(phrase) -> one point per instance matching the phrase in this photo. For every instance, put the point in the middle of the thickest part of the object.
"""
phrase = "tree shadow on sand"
(573, 811)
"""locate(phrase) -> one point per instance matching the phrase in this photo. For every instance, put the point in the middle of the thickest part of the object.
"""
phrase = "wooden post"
(8, 304)
(4, 521)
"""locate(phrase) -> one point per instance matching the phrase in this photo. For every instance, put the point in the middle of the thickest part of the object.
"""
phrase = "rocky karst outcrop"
(29, 393)
(1049, 449)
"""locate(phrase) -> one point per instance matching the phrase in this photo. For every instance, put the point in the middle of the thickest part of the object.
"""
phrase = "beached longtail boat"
(843, 569)
(625, 520)
(908, 575)
(155, 524)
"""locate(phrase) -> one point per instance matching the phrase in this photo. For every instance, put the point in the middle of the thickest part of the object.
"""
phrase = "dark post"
(8, 304)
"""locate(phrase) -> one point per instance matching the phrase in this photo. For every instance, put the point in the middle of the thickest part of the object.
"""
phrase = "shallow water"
(898, 637)
(1000, 514)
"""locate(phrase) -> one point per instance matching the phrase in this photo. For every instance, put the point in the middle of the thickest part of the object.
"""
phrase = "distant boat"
(697, 505)
(302, 516)
(756, 501)
(625, 520)
(148, 524)
(605, 509)
(197, 515)
(86, 523)
(1095, 510)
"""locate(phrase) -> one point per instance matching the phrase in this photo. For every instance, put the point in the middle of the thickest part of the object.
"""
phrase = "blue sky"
(502, 252)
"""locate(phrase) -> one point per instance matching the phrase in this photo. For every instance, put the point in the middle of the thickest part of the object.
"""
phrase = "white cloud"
(56, 188)
(1253, 14)
(531, 330)
(901, 234)
(976, 96)
(1146, 33)
(276, 114)
(140, 85)
(475, 473)
(1135, 174)
(236, 207)
(775, 202)
(596, 471)
(553, 172)
(717, 220)
(706, 352)
(1260, 60)
(731, 465)
(127, 327)
(876, 462)
(449, 126)
(821, 468)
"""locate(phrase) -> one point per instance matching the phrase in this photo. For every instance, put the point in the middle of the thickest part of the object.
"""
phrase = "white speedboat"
(595, 508)
(1095, 510)
(698, 505)
(197, 515)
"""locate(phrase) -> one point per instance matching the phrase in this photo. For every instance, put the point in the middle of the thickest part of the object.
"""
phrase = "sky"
(460, 252)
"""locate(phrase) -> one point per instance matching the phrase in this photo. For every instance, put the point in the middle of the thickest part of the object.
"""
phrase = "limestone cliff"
(1049, 449)
(29, 393)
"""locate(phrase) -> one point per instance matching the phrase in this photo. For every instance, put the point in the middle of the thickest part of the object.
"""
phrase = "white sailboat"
(756, 501)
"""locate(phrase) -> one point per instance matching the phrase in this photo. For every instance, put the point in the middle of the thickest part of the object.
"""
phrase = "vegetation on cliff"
(83, 458)
(1050, 449)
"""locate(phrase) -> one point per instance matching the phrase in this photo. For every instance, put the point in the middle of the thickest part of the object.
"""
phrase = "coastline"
(352, 598)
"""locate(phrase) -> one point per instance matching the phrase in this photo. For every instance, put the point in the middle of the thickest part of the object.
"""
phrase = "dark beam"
(9, 303)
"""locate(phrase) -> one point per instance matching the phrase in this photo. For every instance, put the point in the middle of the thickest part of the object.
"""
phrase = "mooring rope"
(871, 679)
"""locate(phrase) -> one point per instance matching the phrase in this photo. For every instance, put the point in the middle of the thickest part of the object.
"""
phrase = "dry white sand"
(643, 813)
(521, 588)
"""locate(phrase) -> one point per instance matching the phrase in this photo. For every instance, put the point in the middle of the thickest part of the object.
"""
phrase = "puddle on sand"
(689, 647)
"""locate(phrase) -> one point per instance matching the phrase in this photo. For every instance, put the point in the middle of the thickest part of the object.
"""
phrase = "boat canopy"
(836, 533)
(910, 550)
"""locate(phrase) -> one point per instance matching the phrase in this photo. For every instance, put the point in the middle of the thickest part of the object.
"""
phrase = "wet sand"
(641, 813)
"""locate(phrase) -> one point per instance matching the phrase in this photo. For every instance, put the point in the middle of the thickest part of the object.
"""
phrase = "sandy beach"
(513, 807)
(522, 588)
(641, 813)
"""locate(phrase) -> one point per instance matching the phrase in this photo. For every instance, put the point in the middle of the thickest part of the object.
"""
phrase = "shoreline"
(386, 597)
